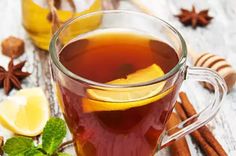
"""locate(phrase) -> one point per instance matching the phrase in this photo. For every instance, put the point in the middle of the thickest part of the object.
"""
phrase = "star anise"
(12, 78)
(193, 18)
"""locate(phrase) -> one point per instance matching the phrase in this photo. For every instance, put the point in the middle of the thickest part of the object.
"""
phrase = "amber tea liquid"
(103, 57)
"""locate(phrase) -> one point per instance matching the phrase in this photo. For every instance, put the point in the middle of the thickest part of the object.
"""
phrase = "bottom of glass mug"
(68, 147)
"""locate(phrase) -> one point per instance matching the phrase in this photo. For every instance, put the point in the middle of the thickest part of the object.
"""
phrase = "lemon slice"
(26, 113)
(122, 99)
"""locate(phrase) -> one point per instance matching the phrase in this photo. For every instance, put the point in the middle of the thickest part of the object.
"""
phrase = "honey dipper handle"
(193, 55)
(142, 7)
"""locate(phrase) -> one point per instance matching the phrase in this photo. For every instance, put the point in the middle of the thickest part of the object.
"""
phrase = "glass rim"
(67, 72)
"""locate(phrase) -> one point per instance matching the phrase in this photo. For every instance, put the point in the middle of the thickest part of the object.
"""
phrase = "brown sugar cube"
(13, 47)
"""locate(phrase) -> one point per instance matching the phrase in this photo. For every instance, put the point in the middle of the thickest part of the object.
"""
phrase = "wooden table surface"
(219, 38)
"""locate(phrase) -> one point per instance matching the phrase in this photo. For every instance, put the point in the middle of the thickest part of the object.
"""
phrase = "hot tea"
(128, 123)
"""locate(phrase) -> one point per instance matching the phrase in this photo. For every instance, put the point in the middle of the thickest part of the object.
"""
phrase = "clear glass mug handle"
(200, 119)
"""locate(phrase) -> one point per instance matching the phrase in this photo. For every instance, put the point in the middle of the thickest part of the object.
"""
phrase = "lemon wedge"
(26, 113)
(122, 99)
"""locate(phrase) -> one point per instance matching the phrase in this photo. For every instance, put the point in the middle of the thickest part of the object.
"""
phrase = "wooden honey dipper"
(216, 63)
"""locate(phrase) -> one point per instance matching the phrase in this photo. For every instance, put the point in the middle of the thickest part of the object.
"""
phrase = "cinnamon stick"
(206, 148)
(205, 132)
(179, 147)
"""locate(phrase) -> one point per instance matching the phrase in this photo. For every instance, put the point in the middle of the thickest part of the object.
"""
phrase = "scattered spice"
(12, 78)
(13, 47)
(203, 135)
(1, 145)
(179, 147)
(194, 18)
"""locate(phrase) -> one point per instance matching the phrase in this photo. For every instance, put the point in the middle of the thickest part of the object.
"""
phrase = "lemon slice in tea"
(122, 99)
(26, 113)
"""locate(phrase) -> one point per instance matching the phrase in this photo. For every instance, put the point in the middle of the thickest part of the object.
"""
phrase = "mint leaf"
(19, 154)
(53, 134)
(63, 154)
(34, 152)
(17, 145)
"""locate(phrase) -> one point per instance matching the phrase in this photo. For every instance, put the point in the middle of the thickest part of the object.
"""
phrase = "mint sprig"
(34, 152)
(53, 134)
(52, 137)
(18, 145)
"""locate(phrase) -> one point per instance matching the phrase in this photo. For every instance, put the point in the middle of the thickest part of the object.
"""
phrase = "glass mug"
(139, 128)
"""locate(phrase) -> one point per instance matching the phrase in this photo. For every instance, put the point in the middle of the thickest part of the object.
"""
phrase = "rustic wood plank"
(219, 38)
